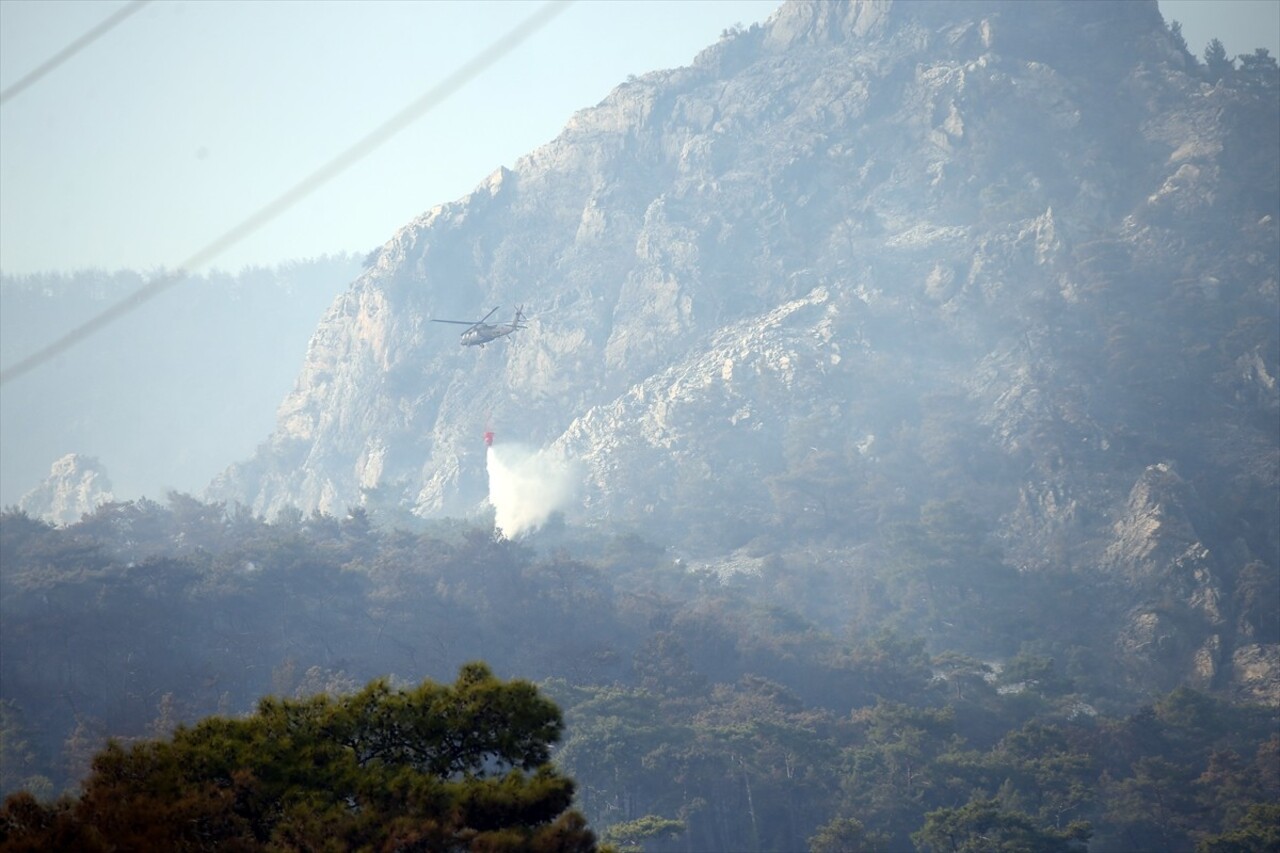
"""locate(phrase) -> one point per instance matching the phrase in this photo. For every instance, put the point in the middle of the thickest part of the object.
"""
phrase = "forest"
(940, 702)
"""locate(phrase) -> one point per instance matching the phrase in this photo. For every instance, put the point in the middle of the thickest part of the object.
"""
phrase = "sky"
(186, 118)
(189, 116)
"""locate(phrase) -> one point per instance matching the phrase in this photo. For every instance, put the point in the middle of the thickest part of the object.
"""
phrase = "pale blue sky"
(189, 116)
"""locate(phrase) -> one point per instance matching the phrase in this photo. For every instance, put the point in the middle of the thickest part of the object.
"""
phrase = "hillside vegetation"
(772, 709)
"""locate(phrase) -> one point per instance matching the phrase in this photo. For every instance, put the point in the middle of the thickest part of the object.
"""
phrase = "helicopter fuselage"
(481, 335)
(480, 332)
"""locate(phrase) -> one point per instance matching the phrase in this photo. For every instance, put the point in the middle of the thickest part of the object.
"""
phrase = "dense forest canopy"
(769, 710)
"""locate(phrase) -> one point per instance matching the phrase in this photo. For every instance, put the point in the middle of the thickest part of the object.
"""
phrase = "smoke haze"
(526, 486)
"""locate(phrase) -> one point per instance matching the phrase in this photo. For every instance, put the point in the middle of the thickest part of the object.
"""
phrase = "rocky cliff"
(864, 257)
(76, 486)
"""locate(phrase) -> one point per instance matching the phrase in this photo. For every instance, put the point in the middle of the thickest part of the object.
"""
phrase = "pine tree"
(1218, 65)
(436, 766)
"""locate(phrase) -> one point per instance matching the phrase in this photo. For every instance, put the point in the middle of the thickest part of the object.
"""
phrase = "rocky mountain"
(76, 486)
(864, 259)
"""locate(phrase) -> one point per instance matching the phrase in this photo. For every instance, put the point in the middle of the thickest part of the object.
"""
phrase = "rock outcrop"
(76, 486)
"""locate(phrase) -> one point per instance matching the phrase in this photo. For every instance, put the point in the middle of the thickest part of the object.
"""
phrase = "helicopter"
(480, 332)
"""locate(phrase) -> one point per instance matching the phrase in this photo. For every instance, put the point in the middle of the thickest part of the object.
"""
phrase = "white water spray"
(526, 486)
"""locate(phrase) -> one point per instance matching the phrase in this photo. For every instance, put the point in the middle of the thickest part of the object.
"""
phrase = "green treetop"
(439, 767)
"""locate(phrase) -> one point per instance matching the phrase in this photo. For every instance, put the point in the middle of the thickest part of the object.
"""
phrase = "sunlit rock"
(76, 486)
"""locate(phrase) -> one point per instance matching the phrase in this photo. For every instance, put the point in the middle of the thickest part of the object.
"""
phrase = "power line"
(362, 148)
(72, 49)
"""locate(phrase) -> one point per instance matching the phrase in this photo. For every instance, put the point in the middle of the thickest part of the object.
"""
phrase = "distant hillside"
(166, 396)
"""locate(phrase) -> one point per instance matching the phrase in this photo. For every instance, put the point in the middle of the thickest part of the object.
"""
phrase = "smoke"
(526, 486)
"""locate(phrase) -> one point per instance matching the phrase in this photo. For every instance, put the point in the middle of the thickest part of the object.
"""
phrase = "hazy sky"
(189, 116)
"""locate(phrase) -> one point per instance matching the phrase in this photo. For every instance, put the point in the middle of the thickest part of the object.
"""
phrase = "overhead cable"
(362, 148)
(72, 49)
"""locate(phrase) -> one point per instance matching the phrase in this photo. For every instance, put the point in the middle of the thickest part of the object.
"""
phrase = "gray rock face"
(1018, 254)
(76, 485)
(1256, 672)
